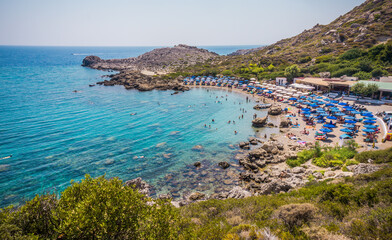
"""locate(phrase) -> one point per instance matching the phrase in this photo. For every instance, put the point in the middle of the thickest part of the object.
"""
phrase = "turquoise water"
(55, 135)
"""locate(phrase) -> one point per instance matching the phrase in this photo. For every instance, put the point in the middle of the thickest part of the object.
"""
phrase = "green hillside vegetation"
(358, 207)
(355, 44)
(362, 63)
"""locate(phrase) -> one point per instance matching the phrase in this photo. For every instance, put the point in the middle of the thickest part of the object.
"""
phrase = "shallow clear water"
(55, 135)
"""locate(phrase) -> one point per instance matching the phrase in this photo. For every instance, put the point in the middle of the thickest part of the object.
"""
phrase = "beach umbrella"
(269, 92)
(325, 130)
(313, 105)
(320, 111)
(368, 130)
(349, 121)
(329, 125)
(339, 114)
(305, 109)
(293, 99)
(346, 130)
(369, 121)
(349, 117)
(313, 95)
(333, 101)
(364, 113)
(348, 125)
(319, 97)
(370, 118)
(345, 136)
(324, 114)
(355, 112)
(329, 105)
(308, 115)
(370, 126)
(331, 117)
(342, 104)
(335, 110)
(302, 97)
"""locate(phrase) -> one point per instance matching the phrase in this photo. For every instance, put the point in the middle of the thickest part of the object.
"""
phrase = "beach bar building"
(327, 84)
(281, 81)
(384, 88)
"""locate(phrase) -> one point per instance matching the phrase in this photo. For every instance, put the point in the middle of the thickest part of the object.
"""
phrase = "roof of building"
(327, 81)
(315, 81)
(383, 86)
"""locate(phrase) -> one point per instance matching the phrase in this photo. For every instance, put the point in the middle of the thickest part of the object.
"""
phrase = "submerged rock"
(224, 165)
(140, 185)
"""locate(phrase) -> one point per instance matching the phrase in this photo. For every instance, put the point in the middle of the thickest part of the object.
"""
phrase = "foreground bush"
(92, 209)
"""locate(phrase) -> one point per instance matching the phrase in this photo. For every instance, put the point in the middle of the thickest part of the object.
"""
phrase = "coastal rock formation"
(363, 168)
(275, 110)
(196, 196)
(160, 60)
(142, 82)
(259, 122)
(140, 185)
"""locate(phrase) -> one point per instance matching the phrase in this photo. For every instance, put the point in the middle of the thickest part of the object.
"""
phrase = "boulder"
(253, 141)
(259, 122)
(224, 165)
(238, 192)
(196, 196)
(140, 185)
(197, 164)
(275, 110)
(284, 124)
(318, 175)
(257, 153)
(298, 170)
(274, 186)
(244, 145)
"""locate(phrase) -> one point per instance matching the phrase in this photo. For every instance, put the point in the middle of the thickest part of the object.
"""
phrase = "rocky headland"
(145, 72)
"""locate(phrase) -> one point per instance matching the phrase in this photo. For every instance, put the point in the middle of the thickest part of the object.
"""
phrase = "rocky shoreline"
(139, 81)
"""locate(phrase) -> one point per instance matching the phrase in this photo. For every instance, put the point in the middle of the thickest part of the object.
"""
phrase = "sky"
(161, 22)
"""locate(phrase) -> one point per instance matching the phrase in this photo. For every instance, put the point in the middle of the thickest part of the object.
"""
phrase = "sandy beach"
(333, 138)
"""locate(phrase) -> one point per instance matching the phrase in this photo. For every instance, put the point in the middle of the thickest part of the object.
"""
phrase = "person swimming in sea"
(132, 114)
(235, 132)
(10, 156)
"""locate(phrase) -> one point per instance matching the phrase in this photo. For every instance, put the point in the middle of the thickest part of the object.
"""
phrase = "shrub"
(305, 59)
(294, 215)
(351, 54)
(380, 156)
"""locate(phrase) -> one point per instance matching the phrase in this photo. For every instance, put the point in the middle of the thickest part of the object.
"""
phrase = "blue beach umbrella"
(368, 130)
(346, 130)
(349, 121)
(292, 99)
(364, 113)
(313, 95)
(308, 115)
(332, 117)
(342, 104)
(302, 97)
(329, 105)
(319, 97)
(325, 130)
(369, 121)
(355, 112)
(329, 125)
(324, 114)
(348, 125)
(345, 136)
(313, 105)
(349, 117)
(370, 118)
(335, 110)
(339, 114)
(333, 101)
(320, 111)
(370, 126)
(305, 109)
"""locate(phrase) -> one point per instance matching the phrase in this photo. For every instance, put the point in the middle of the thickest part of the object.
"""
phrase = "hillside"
(366, 26)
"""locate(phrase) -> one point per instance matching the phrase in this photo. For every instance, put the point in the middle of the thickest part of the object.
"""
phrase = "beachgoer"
(213, 120)
(235, 132)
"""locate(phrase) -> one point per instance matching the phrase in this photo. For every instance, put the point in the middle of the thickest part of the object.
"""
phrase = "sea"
(56, 135)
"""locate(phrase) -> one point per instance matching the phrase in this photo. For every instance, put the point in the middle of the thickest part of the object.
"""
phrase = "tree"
(372, 88)
(358, 88)
(378, 72)
(292, 72)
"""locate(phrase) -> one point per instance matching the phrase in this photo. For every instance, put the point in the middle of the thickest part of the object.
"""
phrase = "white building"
(281, 81)
(386, 79)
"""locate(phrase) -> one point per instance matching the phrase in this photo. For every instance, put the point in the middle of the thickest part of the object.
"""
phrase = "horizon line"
(225, 45)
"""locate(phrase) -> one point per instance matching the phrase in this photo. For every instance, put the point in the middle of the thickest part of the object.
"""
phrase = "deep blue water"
(56, 135)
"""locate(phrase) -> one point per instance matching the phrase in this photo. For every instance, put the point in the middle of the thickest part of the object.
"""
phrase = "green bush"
(380, 156)
(352, 54)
